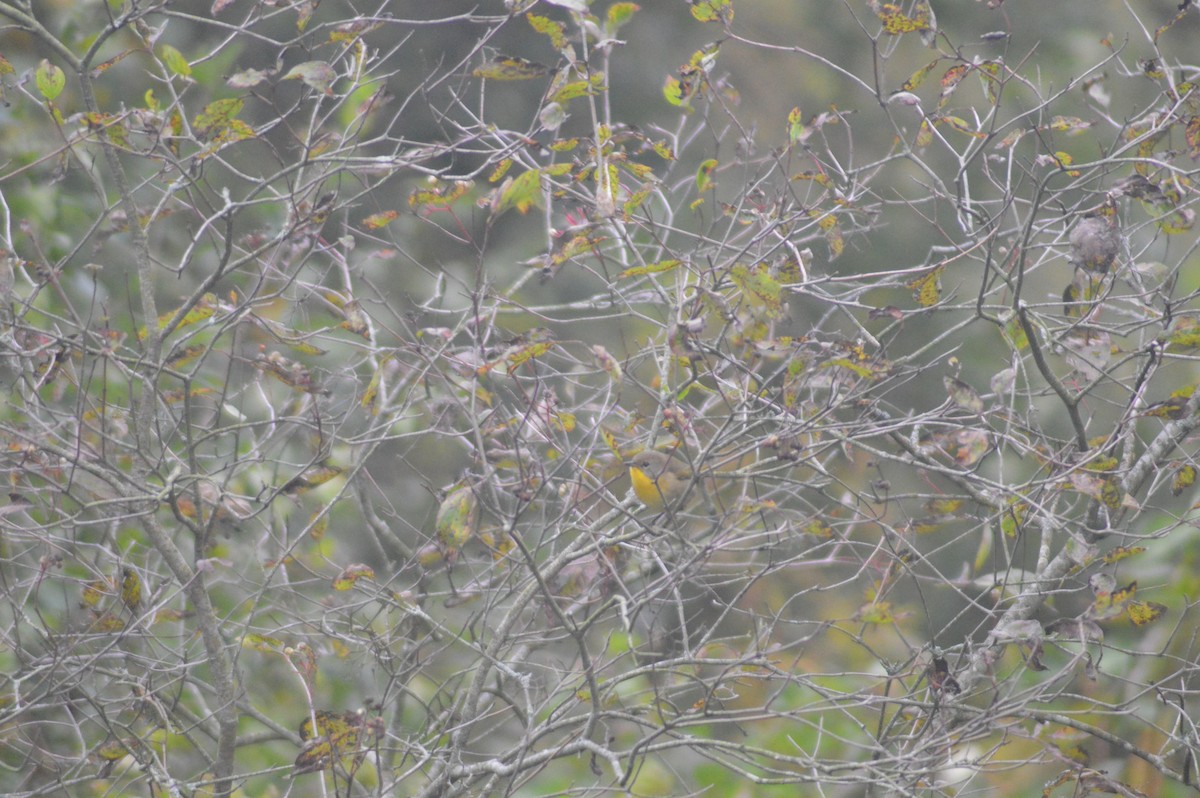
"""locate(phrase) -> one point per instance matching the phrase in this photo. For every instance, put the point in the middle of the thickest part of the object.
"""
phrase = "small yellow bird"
(658, 479)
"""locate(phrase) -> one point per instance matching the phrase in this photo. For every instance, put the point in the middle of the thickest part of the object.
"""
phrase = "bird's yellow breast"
(645, 487)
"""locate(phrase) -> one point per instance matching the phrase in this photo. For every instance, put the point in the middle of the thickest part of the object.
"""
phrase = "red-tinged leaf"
(317, 74)
(1180, 14)
(500, 171)
(961, 126)
(1120, 553)
(381, 219)
(618, 14)
(917, 78)
(1011, 139)
(440, 195)
(99, 69)
(968, 446)
(507, 67)
(351, 574)
(796, 130)
(952, 77)
(577, 245)
(220, 5)
(332, 738)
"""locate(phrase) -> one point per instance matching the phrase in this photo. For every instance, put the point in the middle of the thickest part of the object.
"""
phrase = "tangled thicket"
(328, 335)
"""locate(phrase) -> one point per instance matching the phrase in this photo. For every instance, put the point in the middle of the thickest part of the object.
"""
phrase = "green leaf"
(713, 10)
(760, 290)
(917, 78)
(522, 192)
(673, 91)
(704, 174)
(795, 126)
(50, 80)
(175, 61)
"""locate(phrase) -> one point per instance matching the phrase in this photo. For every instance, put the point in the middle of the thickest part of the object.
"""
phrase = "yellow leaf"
(1184, 478)
(203, 309)
(1145, 612)
(652, 268)
(896, 22)
(131, 589)
(1120, 553)
(926, 289)
(508, 67)
(879, 612)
